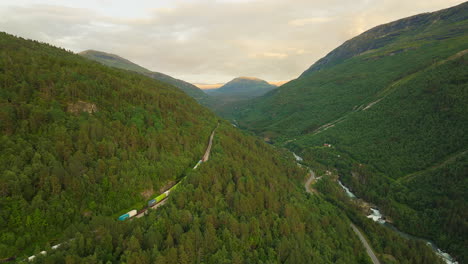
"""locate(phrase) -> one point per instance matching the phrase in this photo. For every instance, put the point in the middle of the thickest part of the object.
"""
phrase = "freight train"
(150, 204)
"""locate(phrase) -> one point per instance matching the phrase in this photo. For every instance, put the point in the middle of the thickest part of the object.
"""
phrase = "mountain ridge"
(83, 142)
(116, 61)
(386, 32)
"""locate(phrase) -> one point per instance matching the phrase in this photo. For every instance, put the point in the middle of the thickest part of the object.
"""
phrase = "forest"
(80, 140)
(408, 154)
(392, 104)
(391, 247)
(316, 98)
(82, 143)
(226, 212)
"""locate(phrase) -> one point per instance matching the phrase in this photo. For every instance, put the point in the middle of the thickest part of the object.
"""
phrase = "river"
(378, 217)
(297, 157)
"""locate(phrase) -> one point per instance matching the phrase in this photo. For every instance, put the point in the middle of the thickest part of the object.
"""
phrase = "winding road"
(206, 157)
(309, 182)
(369, 250)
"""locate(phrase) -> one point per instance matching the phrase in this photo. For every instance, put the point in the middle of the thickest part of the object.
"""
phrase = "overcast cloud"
(207, 41)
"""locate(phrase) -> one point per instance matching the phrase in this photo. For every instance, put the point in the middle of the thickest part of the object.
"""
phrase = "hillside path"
(369, 250)
(451, 158)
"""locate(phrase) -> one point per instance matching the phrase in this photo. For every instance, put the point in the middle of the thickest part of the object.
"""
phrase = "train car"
(198, 164)
(151, 202)
(141, 212)
(175, 186)
(124, 217)
(161, 197)
(56, 246)
(127, 215)
(132, 213)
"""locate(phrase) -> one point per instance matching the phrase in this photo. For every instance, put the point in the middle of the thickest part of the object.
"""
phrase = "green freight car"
(163, 196)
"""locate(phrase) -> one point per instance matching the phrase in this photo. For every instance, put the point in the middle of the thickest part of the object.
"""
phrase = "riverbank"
(377, 216)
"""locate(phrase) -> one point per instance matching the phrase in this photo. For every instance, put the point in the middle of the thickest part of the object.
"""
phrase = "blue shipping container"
(151, 202)
(123, 217)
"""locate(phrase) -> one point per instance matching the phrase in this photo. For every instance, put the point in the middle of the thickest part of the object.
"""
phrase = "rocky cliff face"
(81, 106)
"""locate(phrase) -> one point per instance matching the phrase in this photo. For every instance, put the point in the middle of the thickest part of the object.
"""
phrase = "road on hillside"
(206, 157)
(369, 250)
(309, 182)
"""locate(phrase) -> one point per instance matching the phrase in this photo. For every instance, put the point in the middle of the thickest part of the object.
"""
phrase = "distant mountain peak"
(245, 87)
(249, 81)
(248, 78)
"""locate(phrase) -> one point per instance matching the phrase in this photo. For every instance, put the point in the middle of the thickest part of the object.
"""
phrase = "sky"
(207, 41)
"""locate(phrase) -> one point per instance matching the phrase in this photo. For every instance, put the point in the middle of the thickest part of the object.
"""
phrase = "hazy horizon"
(207, 41)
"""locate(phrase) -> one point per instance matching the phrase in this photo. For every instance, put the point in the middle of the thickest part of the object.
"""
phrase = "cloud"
(207, 41)
(307, 21)
(274, 55)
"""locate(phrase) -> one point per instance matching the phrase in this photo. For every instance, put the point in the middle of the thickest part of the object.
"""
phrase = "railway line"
(162, 198)
(153, 204)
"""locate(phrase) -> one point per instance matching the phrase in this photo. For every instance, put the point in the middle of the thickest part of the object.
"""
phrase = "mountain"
(245, 87)
(82, 143)
(82, 140)
(228, 98)
(121, 63)
(392, 103)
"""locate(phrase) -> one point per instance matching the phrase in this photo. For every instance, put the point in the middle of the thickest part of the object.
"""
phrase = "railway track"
(205, 158)
(144, 211)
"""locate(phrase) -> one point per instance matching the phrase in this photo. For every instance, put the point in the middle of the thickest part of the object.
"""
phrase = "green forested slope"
(418, 123)
(393, 104)
(422, 121)
(82, 143)
(121, 63)
(242, 206)
(61, 165)
(328, 91)
(392, 32)
(245, 205)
